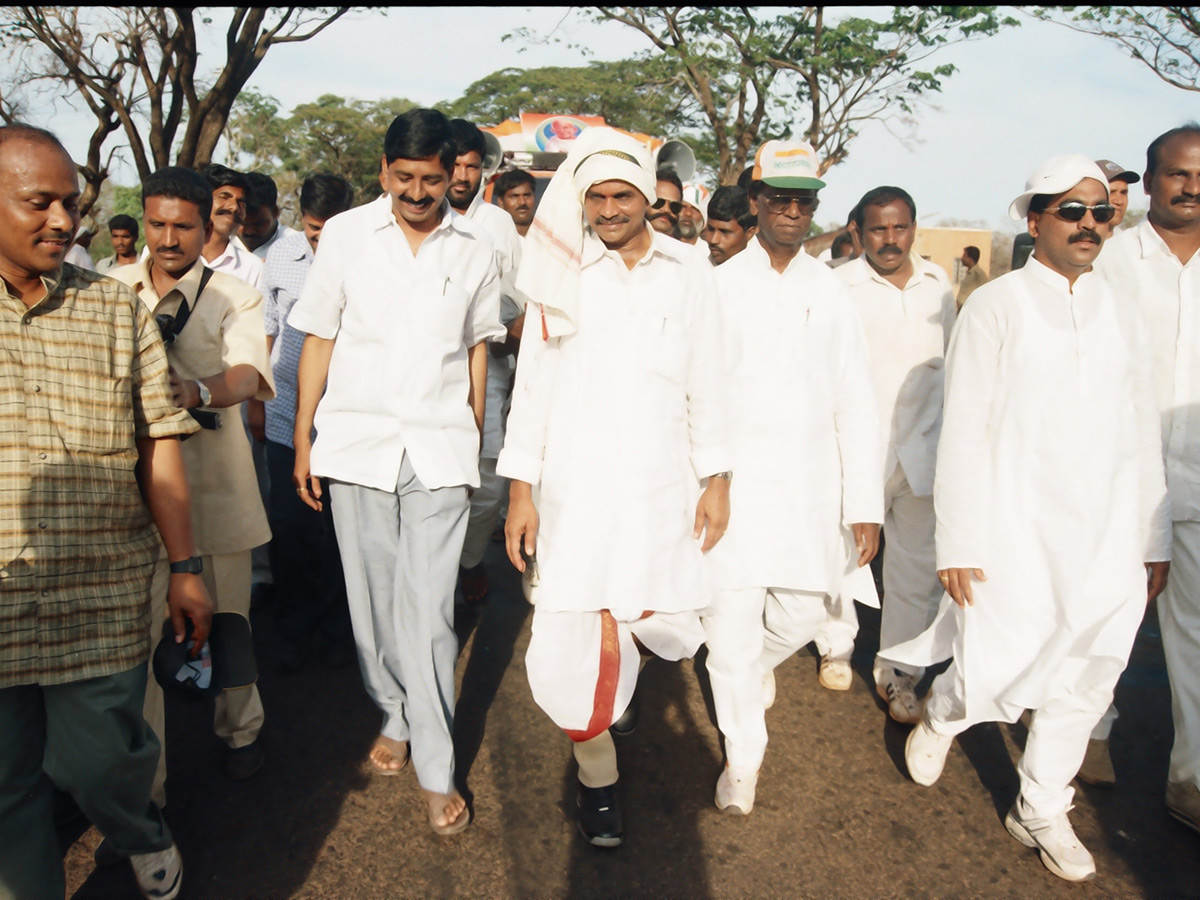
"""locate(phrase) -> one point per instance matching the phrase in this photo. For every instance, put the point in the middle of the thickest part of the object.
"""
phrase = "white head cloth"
(550, 258)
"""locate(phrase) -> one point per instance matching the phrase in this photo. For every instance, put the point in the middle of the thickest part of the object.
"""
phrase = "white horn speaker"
(493, 157)
(677, 155)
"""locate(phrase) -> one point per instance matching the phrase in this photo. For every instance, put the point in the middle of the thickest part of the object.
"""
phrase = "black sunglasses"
(675, 206)
(779, 204)
(1074, 212)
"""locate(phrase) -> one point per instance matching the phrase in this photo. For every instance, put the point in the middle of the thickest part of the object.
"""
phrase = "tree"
(330, 134)
(753, 72)
(637, 95)
(1164, 38)
(135, 68)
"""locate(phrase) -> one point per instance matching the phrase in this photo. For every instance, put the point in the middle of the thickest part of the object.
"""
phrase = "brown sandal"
(461, 821)
(389, 746)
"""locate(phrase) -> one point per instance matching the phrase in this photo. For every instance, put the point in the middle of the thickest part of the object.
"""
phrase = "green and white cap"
(787, 164)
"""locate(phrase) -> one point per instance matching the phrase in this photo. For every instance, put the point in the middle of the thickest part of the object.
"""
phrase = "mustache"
(1086, 234)
(1185, 198)
(890, 249)
(612, 220)
(424, 202)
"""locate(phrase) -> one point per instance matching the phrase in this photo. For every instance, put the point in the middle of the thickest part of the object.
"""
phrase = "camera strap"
(171, 331)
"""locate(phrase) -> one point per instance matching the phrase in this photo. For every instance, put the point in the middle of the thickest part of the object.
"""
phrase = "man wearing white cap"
(693, 217)
(1053, 524)
(615, 448)
(907, 310)
(1157, 265)
(808, 497)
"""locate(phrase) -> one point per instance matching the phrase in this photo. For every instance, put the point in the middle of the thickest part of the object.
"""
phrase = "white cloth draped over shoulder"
(804, 429)
(552, 251)
(615, 423)
(1049, 479)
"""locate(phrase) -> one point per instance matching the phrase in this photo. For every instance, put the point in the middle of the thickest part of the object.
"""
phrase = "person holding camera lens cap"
(212, 324)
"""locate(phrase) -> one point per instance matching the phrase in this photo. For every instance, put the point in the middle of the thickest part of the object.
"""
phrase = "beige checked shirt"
(82, 374)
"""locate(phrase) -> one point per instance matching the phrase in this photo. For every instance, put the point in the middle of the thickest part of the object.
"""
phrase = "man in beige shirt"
(975, 277)
(218, 360)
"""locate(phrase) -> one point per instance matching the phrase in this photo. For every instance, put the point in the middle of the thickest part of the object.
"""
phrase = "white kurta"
(1049, 479)
(805, 428)
(907, 332)
(615, 425)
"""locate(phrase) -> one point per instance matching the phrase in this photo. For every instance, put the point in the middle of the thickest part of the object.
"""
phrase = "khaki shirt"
(225, 329)
(82, 375)
(975, 277)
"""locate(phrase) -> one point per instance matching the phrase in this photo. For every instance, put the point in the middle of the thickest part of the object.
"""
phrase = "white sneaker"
(735, 791)
(899, 692)
(835, 674)
(1056, 844)
(925, 754)
(769, 689)
(159, 874)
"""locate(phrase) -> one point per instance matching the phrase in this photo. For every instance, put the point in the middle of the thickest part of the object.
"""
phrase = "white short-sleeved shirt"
(403, 322)
(238, 261)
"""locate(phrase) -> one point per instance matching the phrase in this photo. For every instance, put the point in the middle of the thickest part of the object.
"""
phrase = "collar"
(383, 217)
(1151, 241)
(860, 271)
(186, 287)
(301, 250)
(594, 250)
(1039, 271)
(51, 281)
(759, 254)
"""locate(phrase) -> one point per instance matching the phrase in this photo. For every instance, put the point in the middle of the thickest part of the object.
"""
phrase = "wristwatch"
(728, 476)
(193, 565)
(205, 393)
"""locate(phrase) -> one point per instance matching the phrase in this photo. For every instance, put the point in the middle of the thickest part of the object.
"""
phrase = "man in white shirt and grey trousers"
(401, 296)
(906, 307)
(1157, 265)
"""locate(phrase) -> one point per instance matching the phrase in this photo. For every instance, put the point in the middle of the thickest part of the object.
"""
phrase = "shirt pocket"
(440, 309)
(665, 349)
(96, 414)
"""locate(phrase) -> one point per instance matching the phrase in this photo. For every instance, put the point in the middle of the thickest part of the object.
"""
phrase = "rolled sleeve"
(319, 310)
(245, 343)
(483, 317)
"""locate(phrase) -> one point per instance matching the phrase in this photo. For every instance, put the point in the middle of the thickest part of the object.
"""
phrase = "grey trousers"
(90, 739)
(400, 553)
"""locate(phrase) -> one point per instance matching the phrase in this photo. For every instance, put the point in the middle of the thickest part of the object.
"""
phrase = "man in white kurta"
(1051, 505)
(1157, 264)
(906, 307)
(614, 442)
(466, 197)
(805, 443)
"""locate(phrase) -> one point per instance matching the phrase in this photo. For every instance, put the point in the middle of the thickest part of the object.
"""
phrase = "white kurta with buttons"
(907, 331)
(1049, 479)
(805, 427)
(615, 425)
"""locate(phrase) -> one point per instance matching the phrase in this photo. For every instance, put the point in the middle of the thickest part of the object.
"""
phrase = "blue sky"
(1027, 94)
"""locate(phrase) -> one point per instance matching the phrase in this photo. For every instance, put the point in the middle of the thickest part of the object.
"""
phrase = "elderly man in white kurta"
(805, 442)
(614, 445)
(907, 309)
(1158, 265)
(1052, 514)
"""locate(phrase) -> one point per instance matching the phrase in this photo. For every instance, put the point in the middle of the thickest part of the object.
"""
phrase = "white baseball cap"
(787, 164)
(1055, 175)
(697, 196)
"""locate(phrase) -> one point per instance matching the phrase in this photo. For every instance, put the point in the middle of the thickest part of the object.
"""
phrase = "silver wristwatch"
(205, 393)
(728, 476)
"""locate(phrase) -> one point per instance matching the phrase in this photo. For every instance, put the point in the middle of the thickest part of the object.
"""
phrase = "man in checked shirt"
(89, 464)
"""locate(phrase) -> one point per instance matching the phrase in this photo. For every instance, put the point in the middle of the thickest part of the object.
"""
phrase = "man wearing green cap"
(805, 507)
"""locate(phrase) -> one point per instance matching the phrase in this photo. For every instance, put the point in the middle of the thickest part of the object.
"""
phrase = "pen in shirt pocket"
(445, 284)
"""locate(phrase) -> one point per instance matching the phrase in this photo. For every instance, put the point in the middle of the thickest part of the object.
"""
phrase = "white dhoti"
(733, 628)
(583, 666)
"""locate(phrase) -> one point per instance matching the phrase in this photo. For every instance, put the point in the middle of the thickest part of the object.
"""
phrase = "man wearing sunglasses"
(1157, 264)
(806, 505)
(663, 214)
(1053, 527)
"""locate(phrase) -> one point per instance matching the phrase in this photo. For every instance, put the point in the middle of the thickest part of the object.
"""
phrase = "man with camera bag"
(212, 324)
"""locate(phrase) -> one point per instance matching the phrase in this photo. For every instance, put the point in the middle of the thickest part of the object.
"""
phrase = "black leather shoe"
(242, 762)
(599, 816)
(628, 720)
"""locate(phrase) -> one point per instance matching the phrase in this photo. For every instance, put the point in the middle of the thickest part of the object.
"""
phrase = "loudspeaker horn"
(677, 155)
(493, 157)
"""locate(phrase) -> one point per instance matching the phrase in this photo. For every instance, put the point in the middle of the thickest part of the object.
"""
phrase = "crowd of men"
(701, 438)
